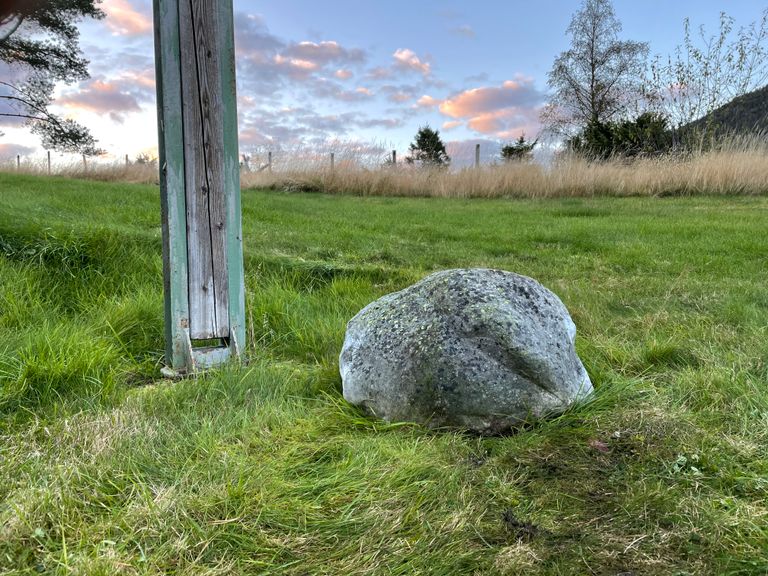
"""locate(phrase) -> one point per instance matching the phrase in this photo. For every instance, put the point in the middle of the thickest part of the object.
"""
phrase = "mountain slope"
(747, 113)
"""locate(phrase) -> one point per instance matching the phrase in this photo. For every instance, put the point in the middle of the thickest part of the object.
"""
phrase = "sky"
(363, 72)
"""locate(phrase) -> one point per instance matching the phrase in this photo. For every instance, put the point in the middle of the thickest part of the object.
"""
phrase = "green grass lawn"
(264, 469)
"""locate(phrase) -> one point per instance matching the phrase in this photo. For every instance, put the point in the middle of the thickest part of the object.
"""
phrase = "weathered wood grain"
(204, 178)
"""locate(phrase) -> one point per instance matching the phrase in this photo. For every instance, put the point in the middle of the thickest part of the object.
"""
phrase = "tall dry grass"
(739, 166)
(712, 173)
(92, 169)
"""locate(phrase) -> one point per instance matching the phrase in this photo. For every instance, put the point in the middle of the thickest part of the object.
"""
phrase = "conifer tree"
(428, 149)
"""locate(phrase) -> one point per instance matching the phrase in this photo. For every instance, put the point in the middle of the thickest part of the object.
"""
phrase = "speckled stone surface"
(477, 349)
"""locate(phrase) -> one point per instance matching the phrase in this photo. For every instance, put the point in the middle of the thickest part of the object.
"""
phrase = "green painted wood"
(173, 205)
(232, 177)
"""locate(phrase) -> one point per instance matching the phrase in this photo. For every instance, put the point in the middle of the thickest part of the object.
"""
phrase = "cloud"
(330, 90)
(388, 123)
(257, 45)
(428, 102)
(505, 123)
(296, 125)
(300, 60)
(399, 97)
(451, 124)
(123, 19)
(402, 93)
(504, 111)
(102, 97)
(112, 58)
(12, 150)
(296, 67)
(271, 67)
(406, 59)
(8, 106)
(323, 53)
(138, 81)
(466, 31)
(379, 73)
(252, 36)
(246, 102)
(511, 94)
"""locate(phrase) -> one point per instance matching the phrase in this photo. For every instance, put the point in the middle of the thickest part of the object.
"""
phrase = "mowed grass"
(264, 469)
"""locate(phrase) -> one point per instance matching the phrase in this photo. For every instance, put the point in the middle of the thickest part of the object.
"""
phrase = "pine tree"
(39, 39)
(519, 151)
(428, 149)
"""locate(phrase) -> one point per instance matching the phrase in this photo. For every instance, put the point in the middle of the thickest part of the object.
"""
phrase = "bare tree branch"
(595, 79)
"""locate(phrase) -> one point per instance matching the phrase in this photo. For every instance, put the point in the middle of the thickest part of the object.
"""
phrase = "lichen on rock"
(478, 349)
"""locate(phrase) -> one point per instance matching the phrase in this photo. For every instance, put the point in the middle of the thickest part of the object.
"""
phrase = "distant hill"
(747, 113)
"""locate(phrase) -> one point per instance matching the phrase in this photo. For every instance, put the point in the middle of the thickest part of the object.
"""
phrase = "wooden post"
(127, 162)
(49, 162)
(269, 161)
(200, 183)
(477, 155)
(332, 162)
(18, 162)
(394, 157)
(85, 164)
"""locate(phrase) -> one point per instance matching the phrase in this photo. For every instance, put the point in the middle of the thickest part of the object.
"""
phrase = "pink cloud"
(123, 19)
(267, 62)
(324, 52)
(101, 97)
(245, 102)
(428, 102)
(399, 97)
(490, 122)
(504, 111)
(379, 73)
(140, 78)
(407, 59)
(450, 125)
(511, 94)
(296, 63)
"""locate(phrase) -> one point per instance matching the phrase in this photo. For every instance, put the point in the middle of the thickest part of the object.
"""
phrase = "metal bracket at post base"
(204, 357)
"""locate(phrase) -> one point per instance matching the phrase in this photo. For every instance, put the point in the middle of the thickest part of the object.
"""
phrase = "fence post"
(85, 164)
(477, 155)
(332, 162)
(49, 162)
(127, 163)
(269, 161)
(394, 157)
(199, 184)
(18, 162)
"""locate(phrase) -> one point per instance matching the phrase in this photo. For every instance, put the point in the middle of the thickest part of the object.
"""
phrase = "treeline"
(610, 98)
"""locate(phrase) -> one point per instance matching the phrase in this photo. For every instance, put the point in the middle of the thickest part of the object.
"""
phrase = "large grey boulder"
(479, 349)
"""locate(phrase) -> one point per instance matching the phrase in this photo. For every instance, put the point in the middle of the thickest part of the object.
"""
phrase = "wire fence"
(738, 167)
(275, 158)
